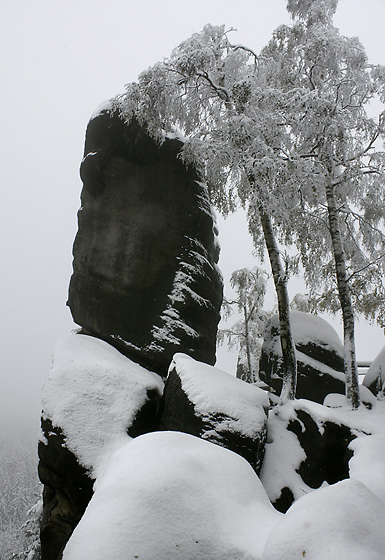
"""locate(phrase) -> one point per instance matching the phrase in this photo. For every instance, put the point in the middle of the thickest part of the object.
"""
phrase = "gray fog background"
(59, 61)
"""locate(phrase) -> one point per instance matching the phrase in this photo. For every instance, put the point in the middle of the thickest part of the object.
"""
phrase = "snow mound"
(345, 520)
(213, 390)
(93, 394)
(172, 496)
(368, 461)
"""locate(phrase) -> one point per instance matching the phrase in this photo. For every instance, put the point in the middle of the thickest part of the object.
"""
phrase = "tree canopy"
(288, 134)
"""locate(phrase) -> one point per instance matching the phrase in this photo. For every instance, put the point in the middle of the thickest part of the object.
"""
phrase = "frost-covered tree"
(19, 491)
(208, 91)
(286, 133)
(245, 334)
(324, 86)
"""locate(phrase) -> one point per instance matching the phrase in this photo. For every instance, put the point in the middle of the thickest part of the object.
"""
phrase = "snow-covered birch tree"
(208, 91)
(286, 134)
(325, 83)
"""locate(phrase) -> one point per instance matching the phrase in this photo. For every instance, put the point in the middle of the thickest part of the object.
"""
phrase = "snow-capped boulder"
(345, 520)
(319, 352)
(209, 403)
(375, 376)
(94, 400)
(145, 276)
(169, 495)
(307, 446)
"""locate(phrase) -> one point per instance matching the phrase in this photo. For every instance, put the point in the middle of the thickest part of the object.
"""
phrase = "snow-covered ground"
(170, 495)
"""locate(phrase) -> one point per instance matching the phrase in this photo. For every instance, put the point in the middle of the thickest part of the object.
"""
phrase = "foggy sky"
(59, 61)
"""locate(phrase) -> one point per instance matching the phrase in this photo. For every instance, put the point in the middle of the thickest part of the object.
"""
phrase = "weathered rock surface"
(144, 271)
(196, 401)
(320, 361)
(67, 491)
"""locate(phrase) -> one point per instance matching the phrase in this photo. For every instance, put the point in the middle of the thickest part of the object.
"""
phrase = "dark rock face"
(144, 271)
(217, 423)
(67, 491)
(320, 361)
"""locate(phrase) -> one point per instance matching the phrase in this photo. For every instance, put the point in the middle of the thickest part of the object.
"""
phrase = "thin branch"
(365, 267)
(220, 90)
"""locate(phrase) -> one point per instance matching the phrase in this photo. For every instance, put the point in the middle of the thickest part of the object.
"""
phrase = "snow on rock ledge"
(169, 495)
(204, 401)
(95, 394)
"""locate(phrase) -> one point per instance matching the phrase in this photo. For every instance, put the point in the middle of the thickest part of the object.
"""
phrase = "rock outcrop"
(144, 270)
(319, 352)
(319, 448)
(197, 401)
(145, 285)
(94, 399)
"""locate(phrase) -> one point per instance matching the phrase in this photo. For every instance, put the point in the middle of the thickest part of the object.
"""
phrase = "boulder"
(145, 274)
(94, 400)
(66, 493)
(306, 448)
(320, 358)
(345, 520)
(211, 404)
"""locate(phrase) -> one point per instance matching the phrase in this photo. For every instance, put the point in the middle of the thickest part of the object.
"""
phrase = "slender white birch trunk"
(289, 380)
(350, 362)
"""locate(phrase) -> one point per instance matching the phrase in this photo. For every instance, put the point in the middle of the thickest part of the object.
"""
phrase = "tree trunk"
(350, 363)
(248, 353)
(289, 380)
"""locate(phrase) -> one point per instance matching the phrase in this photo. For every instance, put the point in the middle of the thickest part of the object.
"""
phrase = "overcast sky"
(59, 60)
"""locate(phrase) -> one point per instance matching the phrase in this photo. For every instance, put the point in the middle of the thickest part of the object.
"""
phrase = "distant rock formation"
(211, 404)
(320, 360)
(145, 274)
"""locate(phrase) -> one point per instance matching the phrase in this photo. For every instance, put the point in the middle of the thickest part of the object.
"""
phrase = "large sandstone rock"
(319, 352)
(144, 271)
(94, 400)
(211, 404)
